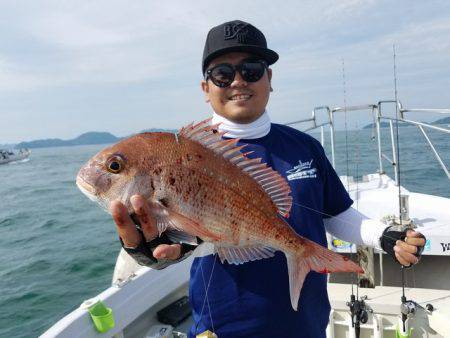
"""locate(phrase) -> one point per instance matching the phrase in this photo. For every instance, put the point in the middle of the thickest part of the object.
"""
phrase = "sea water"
(57, 248)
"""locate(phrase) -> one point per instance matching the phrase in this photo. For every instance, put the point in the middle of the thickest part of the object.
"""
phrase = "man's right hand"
(130, 236)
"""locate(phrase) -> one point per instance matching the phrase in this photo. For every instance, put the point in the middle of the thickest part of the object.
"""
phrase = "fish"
(200, 184)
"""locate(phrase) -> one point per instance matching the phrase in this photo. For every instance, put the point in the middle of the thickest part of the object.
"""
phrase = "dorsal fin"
(271, 181)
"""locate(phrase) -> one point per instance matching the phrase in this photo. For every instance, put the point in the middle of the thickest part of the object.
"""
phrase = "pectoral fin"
(177, 236)
(167, 219)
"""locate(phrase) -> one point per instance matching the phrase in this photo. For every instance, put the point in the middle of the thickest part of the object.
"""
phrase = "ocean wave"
(6, 222)
(51, 223)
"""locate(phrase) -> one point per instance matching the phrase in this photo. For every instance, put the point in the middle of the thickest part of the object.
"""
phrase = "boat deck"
(377, 196)
(384, 301)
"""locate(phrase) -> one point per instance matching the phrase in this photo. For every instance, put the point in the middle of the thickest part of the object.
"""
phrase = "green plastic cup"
(102, 317)
(400, 334)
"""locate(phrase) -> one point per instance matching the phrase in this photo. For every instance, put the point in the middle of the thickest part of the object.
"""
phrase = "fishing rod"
(403, 297)
(406, 307)
(399, 229)
(358, 308)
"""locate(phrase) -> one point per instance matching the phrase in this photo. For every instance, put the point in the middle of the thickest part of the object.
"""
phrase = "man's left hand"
(405, 250)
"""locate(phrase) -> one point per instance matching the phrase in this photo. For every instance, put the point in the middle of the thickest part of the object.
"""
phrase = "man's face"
(241, 102)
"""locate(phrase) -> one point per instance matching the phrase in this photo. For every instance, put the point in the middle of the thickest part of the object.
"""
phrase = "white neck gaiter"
(255, 129)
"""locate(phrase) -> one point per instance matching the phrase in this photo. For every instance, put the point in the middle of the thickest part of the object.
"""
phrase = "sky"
(68, 67)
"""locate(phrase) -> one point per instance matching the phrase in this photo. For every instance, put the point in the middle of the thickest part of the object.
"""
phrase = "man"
(252, 299)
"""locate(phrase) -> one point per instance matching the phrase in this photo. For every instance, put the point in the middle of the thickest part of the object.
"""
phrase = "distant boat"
(7, 156)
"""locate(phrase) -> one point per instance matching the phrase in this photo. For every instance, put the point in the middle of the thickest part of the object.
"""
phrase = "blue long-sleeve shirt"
(252, 299)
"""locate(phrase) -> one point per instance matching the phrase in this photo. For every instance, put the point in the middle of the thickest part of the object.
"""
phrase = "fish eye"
(115, 164)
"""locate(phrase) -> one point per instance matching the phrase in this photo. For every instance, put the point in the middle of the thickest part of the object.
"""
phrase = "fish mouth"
(86, 188)
(89, 191)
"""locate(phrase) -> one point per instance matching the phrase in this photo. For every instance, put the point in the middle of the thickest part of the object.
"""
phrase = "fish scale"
(209, 208)
(214, 178)
(200, 185)
(216, 167)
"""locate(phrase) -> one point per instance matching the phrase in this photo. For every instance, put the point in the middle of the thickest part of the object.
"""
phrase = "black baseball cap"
(236, 36)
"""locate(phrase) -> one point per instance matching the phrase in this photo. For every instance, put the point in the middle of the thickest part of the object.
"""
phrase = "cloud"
(141, 57)
(81, 43)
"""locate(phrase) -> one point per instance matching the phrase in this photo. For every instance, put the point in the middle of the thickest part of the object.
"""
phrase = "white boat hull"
(136, 301)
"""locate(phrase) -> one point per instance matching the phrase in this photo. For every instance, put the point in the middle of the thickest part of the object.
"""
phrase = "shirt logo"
(301, 171)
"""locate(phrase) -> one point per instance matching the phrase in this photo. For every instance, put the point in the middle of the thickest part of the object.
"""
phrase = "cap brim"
(267, 54)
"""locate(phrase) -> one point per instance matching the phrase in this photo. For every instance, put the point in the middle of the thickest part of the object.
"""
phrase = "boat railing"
(324, 116)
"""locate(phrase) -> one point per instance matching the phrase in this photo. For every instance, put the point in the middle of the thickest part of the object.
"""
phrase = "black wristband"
(187, 248)
(143, 253)
(391, 235)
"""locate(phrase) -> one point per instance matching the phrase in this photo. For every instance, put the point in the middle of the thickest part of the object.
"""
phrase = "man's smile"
(240, 97)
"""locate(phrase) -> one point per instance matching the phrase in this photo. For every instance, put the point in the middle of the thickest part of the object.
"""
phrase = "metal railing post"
(332, 137)
(322, 137)
(394, 153)
(377, 122)
(443, 166)
(377, 109)
(381, 269)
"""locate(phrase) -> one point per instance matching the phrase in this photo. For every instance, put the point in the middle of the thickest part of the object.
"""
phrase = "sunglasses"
(222, 75)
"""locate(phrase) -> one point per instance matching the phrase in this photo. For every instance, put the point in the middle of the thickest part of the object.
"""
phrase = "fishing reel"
(359, 312)
(408, 308)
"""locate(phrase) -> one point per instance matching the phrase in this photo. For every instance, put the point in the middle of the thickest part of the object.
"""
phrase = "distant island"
(92, 137)
(95, 137)
(445, 120)
(385, 125)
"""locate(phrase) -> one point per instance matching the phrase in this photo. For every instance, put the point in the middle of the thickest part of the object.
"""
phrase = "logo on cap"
(234, 30)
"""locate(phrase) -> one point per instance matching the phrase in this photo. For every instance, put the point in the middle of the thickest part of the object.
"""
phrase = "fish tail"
(318, 259)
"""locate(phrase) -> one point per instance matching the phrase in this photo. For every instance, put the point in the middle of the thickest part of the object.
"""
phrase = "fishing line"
(357, 193)
(322, 213)
(206, 300)
(334, 216)
(397, 139)
(345, 123)
(344, 88)
(398, 158)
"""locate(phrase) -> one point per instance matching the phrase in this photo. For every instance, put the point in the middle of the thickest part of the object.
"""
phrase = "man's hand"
(405, 251)
(129, 234)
